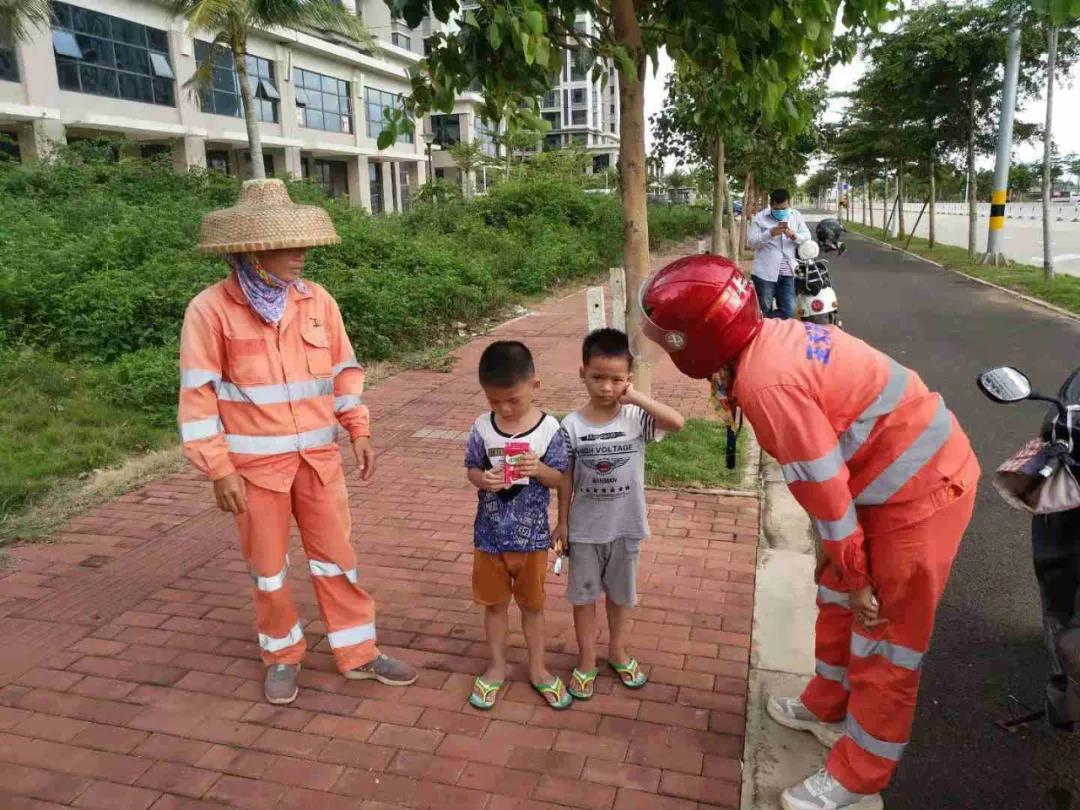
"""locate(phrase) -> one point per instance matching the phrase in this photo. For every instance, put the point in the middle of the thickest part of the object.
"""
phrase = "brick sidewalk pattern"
(130, 676)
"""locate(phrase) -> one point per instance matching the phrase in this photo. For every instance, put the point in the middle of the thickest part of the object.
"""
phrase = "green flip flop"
(483, 695)
(557, 690)
(581, 684)
(630, 674)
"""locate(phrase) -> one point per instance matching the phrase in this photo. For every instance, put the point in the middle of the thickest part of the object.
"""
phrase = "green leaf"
(535, 21)
(777, 17)
(528, 48)
(495, 36)
(813, 29)
(471, 21)
(387, 137)
(543, 53)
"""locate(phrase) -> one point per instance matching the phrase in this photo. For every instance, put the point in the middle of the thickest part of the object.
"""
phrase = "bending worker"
(888, 478)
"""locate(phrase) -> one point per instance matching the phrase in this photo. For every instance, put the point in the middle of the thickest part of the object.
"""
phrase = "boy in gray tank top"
(605, 518)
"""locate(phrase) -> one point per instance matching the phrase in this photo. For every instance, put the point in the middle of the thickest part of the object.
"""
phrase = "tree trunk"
(258, 170)
(719, 246)
(732, 230)
(1048, 147)
(632, 167)
(870, 199)
(748, 212)
(900, 200)
(863, 195)
(933, 194)
(973, 189)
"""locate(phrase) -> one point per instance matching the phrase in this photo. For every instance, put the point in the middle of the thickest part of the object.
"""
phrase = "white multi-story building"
(125, 67)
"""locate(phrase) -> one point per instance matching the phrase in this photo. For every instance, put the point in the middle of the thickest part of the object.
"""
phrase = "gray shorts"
(609, 568)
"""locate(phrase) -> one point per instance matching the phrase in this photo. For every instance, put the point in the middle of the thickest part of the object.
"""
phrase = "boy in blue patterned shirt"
(511, 533)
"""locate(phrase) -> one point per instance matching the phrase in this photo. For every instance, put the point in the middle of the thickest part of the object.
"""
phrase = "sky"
(844, 77)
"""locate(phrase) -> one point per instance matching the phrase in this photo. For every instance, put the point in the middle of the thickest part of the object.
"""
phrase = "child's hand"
(527, 465)
(630, 396)
(492, 481)
(560, 539)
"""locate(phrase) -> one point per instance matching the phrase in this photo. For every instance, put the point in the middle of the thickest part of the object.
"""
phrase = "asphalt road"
(988, 640)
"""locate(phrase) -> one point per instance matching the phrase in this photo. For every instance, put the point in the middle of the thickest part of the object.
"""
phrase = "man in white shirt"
(774, 236)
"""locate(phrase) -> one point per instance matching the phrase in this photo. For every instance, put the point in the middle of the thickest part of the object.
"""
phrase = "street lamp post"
(429, 139)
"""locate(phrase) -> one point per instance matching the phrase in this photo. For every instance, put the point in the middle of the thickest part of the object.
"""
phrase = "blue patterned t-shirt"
(516, 518)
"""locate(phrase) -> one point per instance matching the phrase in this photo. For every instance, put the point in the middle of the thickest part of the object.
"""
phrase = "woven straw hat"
(265, 219)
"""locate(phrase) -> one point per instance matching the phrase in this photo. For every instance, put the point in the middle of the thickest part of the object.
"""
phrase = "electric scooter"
(815, 298)
(1042, 479)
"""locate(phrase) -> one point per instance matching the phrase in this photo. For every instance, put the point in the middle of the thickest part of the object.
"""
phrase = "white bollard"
(594, 308)
(618, 298)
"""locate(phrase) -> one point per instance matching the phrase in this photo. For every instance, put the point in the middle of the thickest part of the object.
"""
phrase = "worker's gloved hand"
(865, 606)
(365, 457)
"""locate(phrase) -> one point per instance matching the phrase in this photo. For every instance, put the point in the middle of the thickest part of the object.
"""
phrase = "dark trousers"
(782, 291)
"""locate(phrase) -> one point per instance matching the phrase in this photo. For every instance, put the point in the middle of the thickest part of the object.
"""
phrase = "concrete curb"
(781, 651)
(1022, 296)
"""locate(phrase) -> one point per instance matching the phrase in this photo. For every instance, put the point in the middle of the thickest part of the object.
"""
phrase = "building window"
(401, 40)
(612, 126)
(551, 100)
(377, 102)
(108, 56)
(580, 62)
(446, 129)
(601, 163)
(9, 64)
(331, 176)
(223, 96)
(403, 183)
(9, 147)
(155, 151)
(375, 187)
(217, 160)
(554, 119)
(578, 97)
(485, 136)
(322, 102)
(552, 142)
(579, 139)
(579, 118)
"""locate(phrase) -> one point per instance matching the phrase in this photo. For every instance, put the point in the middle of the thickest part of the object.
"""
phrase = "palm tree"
(232, 21)
(17, 17)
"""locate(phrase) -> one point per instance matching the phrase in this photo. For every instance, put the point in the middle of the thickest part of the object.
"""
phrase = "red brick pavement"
(130, 678)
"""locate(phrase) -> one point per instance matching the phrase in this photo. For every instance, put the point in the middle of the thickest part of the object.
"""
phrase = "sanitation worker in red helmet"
(888, 478)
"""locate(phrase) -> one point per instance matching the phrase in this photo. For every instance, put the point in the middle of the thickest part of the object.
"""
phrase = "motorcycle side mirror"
(1004, 385)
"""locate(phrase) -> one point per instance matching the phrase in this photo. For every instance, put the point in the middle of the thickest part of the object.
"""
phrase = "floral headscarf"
(266, 293)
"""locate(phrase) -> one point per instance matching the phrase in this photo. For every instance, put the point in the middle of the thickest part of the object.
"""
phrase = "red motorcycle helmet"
(702, 311)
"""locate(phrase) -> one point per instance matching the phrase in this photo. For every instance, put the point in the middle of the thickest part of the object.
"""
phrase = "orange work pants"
(322, 515)
(869, 677)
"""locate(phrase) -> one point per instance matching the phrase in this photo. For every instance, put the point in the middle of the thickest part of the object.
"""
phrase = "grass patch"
(694, 458)
(1063, 291)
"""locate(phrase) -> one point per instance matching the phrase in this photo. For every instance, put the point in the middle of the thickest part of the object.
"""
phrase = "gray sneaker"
(792, 713)
(280, 684)
(384, 669)
(822, 792)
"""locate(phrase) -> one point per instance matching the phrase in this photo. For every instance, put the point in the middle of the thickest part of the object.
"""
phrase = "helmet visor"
(651, 339)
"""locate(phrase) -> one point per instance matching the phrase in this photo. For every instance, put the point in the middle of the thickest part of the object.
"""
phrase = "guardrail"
(1061, 211)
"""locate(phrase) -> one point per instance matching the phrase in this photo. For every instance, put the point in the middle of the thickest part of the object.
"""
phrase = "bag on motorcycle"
(1019, 483)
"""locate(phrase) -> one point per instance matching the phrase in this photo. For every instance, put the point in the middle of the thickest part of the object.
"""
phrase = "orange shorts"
(497, 577)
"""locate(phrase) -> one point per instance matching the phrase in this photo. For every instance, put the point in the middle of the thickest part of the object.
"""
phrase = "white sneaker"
(792, 713)
(822, 792)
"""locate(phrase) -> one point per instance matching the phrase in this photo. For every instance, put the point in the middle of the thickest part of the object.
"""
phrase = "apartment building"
(124, 67)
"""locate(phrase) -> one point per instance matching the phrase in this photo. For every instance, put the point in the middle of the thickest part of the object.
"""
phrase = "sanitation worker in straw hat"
(267, 378)
(888, 478)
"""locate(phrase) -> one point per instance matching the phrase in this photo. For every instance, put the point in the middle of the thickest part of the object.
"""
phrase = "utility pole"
(993, 253)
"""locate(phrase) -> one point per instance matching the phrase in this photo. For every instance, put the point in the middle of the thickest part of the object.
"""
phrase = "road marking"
(1061, 257)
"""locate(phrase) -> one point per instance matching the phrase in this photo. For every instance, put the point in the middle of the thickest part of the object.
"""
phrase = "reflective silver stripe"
(820, 469)
(830, 672)
(924, 448)
(867, 742)
(350, 363)
(351, 635)
(898, 654)
(838, 529)
(272, 645)
(200, 429)
(855, 436)
(827, 596)
(274, 583)
(270, 445)
(347, 402)
(197, 378)
(276, 394)
(320, 568)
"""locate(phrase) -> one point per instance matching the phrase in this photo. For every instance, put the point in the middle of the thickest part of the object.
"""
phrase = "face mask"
(781, 214)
